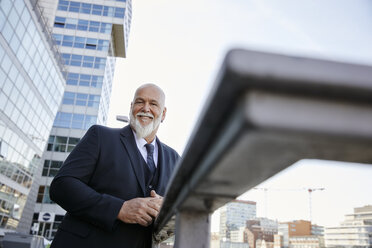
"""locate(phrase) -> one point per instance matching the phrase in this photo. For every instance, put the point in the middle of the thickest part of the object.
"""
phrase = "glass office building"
(31, 89)
(234, 215)
(90, 35)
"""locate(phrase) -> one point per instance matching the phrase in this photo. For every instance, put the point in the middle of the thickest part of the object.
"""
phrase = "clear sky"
(180, 45)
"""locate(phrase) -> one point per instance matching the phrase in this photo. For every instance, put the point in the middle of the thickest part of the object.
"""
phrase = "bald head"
(155, 90)
(147, 111)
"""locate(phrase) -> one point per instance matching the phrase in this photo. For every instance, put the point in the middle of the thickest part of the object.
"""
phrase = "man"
(111, 183)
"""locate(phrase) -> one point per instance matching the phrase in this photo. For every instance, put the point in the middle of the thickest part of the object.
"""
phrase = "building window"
(3, 220)
(15, 174)
(94, 9)
(61, 144)
(85, 25)
(51, 167)
(80, 99)
(48, 230)
(119, 12)
(84, 61)
(63, 5)
(43, 195)
(85, 80)
(59, 22)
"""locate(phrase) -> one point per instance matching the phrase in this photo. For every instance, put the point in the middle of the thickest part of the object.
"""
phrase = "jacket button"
(150, 186)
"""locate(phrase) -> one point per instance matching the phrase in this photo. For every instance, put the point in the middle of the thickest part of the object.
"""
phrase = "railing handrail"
(282, 79)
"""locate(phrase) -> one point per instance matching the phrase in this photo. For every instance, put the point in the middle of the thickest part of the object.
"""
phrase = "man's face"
(147, 109)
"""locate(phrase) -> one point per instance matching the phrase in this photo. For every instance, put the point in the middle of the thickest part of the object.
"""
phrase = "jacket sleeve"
(70, 188)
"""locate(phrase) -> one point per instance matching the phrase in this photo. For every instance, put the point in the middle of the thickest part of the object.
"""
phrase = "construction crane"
(310, 206)
(309, 190)
(265, 192)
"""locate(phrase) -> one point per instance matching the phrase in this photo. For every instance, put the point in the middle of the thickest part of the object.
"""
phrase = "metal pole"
(310, 214)
(192, 229)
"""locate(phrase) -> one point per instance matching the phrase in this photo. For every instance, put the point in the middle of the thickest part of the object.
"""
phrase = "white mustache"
(144, 114)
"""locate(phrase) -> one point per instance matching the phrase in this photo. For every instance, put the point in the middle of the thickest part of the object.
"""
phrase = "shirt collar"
(141, 142)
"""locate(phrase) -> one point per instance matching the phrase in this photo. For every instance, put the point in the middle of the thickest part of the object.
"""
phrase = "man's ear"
(164, 114)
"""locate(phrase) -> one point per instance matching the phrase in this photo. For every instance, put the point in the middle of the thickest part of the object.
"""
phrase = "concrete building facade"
(31, 89)
(90, 35)
(289, 231)
(299, 228)
(354, 231)
(278, 241)
(261, 243)
(311, 241)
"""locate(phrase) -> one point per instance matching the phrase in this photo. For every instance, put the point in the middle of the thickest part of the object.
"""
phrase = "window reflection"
(62, 144)
(93, 9)
(80, 99)
(73, 23)
(51, 167)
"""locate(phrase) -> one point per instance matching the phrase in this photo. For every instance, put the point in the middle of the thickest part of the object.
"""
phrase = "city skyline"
(311, 174)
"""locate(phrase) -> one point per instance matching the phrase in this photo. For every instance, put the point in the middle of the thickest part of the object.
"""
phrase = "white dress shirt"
(141, 142)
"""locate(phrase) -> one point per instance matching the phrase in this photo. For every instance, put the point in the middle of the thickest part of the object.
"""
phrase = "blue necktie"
(150, 157)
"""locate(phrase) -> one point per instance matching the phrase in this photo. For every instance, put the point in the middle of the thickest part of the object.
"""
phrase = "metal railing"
(266, 112)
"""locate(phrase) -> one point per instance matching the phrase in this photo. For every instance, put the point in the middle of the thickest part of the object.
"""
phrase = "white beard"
(143, 131)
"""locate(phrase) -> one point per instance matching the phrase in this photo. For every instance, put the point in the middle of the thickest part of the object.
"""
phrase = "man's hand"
(153, 194)
(141, 210)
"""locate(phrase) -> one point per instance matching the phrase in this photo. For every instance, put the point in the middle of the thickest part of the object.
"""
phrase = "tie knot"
(150, 149)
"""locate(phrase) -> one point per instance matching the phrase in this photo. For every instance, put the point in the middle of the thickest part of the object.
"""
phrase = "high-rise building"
(90, 35)
(31, 89)
(235, 215)
(354, 231)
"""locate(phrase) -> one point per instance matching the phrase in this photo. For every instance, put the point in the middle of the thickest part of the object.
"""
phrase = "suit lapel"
(127, 138)
(161, 168)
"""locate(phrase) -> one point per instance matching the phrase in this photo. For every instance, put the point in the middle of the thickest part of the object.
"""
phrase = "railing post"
(192, 229)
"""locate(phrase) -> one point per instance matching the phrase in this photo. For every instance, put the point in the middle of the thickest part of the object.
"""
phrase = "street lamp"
(122, 118)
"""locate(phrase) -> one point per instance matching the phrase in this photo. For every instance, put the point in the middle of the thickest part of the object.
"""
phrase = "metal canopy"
(265, 112)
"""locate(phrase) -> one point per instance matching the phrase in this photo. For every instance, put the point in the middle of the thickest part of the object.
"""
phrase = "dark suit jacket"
(97, 177)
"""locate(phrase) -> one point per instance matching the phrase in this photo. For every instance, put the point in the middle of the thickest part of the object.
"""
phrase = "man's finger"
(143, 222)
(155, 195)
(154, 205)
(146, 216)
(152, 212)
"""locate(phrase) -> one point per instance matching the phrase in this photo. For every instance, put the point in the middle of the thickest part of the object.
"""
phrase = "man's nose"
(146, 107)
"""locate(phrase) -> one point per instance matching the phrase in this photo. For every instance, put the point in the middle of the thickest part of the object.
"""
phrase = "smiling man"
(112, 183)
